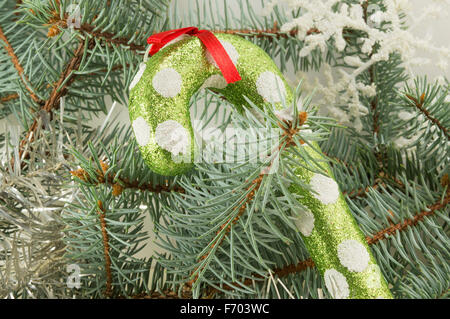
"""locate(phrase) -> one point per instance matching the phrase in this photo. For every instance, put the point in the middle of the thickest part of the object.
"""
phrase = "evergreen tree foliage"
(76, 194)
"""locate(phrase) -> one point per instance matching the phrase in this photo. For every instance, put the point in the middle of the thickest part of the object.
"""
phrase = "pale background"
(436, 29)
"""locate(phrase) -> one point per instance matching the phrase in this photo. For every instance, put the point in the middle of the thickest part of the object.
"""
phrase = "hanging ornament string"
(212, 44)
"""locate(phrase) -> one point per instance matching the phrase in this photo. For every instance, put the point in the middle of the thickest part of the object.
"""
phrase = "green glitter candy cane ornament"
(159, 113)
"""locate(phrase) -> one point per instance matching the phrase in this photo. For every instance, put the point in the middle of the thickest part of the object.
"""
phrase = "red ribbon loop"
(212, 44)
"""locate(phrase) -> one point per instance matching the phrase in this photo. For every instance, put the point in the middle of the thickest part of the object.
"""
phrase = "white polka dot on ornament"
(216, 81)
(305, 222)
(167, 82)
(141, 130)
(353, 255)
(326, 189)
(173, 137)
(336, 284)
(231, 51)
(271, 87)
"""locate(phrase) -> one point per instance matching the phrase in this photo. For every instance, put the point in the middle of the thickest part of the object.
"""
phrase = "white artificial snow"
(340, 92)
(167, 82)
(367, 90)
(229, 48)
(141, 130)
(305, 222)
(353, 60)
(327, 190)
(172, 137)
(271, 87)
(138, 75)
(353, 255)
(336, 284)
(215, 81)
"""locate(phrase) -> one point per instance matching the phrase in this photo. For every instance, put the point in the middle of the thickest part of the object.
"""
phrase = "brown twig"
(9, 97)
(101, 215)
(110, 37)
(362, 192)
(53, 101)
(379, 181)
(419, 105)
(382, 234)
(120, 183)
(268, 33)
(15, 61)
(60, 90)
(273, 32)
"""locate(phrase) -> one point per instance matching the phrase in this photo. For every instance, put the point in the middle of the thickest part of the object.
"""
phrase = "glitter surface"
(332, 222)
(162, 95)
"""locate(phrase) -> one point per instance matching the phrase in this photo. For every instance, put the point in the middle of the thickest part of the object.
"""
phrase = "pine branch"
(15, 60)
(120, 183)
(9, 97)
(59, 89)
(362, 192)
(53, 101)
(408, 222)
(379, 181)
(110, 37)
(286, 140)
(419, 105)
(267, 33)
(101, 215)
(381, 235)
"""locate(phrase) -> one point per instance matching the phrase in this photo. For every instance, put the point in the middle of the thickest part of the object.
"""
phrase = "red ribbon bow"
(212, 44)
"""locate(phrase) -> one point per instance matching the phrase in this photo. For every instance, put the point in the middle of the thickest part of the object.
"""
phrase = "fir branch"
(53, 101)
(290, 129)
(9, 97)
(59, 89)
(339, 161)
(279, 272)
(267, 33)
(379, 181)
(101, 215)
(381, 235)
(255, 185)
(362, 192)
(110, 37)
(120, 183)
(15, 61)
(419, 105)
(408, 222)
